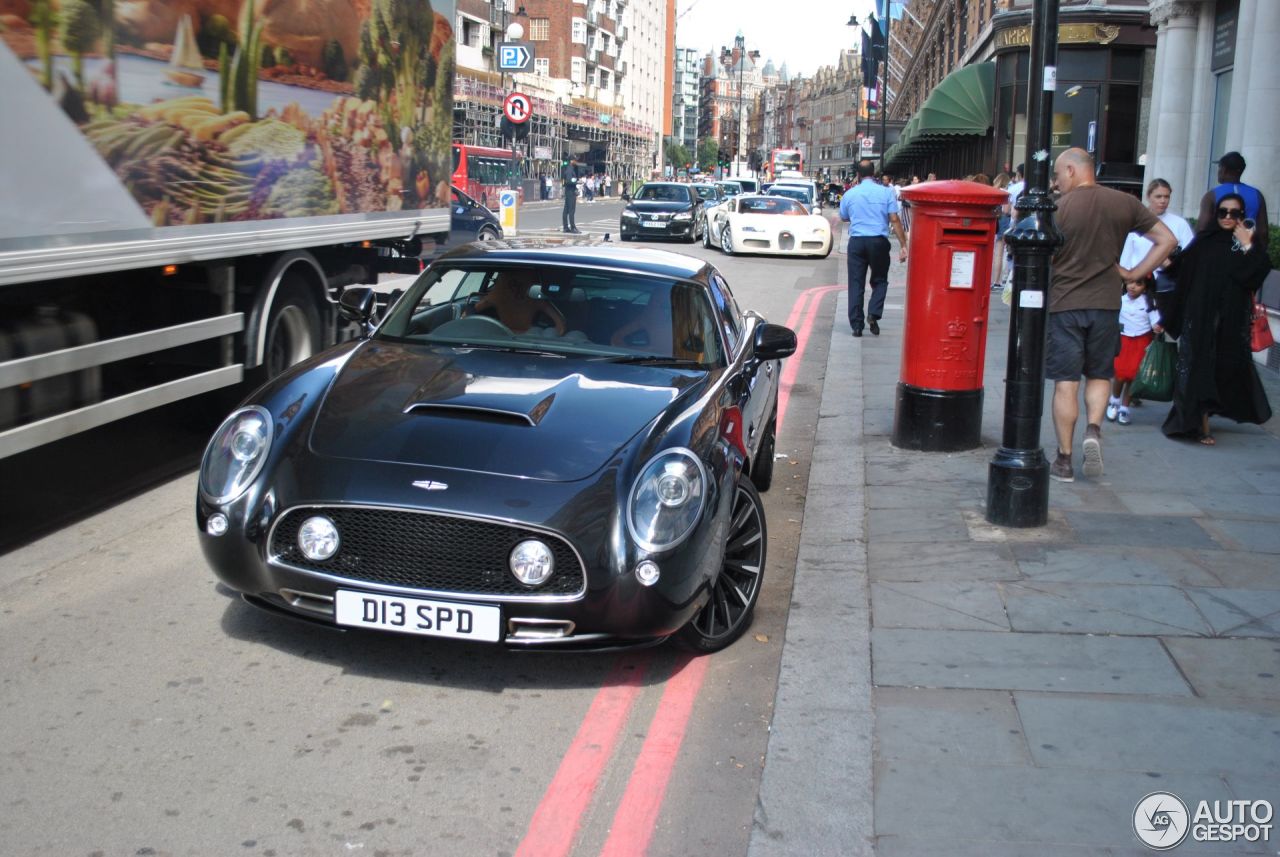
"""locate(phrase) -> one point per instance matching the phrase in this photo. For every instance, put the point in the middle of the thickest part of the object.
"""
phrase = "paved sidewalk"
(1027, 687)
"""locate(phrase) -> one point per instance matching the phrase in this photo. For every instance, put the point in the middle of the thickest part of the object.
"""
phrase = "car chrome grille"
(786, 241)
(424, 550)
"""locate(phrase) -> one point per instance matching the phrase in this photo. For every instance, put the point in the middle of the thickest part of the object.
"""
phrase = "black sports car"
(540, 447)
(664, 210)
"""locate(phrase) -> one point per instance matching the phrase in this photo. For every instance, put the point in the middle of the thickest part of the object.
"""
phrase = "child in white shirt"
(1139, 324)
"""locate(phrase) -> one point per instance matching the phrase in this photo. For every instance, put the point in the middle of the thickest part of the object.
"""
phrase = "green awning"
(961, 104)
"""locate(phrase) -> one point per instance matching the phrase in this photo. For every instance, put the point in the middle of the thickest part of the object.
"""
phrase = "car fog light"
(532, 563)
(318, 538)
(216, 525)
(647, 572)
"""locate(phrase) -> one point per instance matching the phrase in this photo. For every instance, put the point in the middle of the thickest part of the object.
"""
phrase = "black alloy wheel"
(727, 613)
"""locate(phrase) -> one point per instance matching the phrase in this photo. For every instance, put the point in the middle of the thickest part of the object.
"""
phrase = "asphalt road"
(147, 711)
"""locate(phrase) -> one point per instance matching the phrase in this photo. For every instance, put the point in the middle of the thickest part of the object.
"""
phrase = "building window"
(579, 34)
(539, 29)
(542, 67)
(578, 70)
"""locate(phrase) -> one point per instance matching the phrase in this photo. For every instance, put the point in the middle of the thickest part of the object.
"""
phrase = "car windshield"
(663, 193)
(558, 310)
(770, 205)
(706, 191)
(730, 188)
(801, 194)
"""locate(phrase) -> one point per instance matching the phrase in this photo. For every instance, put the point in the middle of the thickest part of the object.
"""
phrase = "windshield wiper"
(654, 360)
(510, 349)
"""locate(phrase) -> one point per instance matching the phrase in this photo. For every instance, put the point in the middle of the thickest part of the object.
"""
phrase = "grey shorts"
(1082, 342)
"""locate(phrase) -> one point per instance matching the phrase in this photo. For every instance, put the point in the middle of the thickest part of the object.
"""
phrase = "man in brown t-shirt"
(1084, 300)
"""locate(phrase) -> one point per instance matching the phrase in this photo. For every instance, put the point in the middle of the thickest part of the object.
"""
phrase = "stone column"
(1242, 71)
(1260, 140)
(1170, 132)
(1197, 178)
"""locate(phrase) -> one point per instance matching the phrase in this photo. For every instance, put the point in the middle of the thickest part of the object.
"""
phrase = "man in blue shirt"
(1230, 168)
(870, 209)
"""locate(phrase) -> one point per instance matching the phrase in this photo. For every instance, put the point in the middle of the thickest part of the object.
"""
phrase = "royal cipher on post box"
(953, 233)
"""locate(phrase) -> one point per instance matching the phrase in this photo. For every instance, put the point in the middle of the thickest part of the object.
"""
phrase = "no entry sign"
(517, 107)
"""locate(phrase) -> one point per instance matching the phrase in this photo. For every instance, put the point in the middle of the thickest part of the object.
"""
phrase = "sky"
(805, 34)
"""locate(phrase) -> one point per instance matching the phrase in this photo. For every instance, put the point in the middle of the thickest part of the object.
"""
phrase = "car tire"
(732, 601)
(706, 236)
(762, 468)
(487, 233)
(726, 240)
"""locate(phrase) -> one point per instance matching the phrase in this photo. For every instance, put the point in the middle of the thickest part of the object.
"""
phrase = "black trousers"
(570, 212)
(864, 253)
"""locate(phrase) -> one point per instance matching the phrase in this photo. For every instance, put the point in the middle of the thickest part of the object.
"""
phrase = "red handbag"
(1260, 338)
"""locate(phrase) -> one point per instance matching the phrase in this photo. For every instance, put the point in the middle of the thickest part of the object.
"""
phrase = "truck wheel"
(293, 328)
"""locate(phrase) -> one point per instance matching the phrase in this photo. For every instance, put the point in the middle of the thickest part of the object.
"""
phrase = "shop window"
(1122, 124)
(1088, 64)
(1127, 66)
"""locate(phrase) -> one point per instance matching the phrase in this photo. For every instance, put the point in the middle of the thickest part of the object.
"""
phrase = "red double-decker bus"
(482, 173)
(785, 159)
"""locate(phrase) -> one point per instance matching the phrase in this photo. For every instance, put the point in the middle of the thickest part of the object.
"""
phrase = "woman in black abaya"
(1218, 276)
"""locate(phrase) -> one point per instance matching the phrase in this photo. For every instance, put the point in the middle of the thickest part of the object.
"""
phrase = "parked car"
(710, 194)
(800, 193)
(663, 210)
(765, 223)
(470, 221)
(580, 471)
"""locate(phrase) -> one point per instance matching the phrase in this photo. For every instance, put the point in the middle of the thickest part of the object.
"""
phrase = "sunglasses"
(1233, 213)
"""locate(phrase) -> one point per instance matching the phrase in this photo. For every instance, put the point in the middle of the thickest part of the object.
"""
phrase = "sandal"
(1207, 439)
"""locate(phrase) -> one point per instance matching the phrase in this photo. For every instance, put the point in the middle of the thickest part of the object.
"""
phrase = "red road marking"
(808, 305)
(638, 812)
(558, 817)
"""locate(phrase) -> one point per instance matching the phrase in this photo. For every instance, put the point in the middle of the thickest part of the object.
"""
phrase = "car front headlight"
(235, 455)
(628, 213)
(683, 215)
(666, 500)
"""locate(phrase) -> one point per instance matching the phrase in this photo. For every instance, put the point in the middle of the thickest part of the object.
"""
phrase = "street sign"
(514, 56)
(868, 145)
(517, 107)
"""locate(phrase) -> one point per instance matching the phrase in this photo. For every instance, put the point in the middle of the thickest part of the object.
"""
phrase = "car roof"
(596, 254)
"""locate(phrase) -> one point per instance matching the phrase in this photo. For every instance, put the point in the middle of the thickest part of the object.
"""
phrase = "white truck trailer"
(185, 189)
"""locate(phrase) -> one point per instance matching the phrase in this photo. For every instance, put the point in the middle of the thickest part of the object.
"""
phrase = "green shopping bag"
(1155, 372)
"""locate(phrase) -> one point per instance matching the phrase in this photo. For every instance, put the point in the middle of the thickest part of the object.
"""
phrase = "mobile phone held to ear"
(1249, 223)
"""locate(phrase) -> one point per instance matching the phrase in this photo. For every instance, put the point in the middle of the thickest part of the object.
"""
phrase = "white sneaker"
(1113, 409)
(1123, 416)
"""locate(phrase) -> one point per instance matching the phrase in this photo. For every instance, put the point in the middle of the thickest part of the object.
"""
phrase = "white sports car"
(755, 223)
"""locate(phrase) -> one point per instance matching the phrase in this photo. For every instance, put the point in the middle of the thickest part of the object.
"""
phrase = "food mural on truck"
(217, 111)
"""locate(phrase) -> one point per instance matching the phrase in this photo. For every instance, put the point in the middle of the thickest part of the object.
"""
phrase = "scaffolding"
(617, 146)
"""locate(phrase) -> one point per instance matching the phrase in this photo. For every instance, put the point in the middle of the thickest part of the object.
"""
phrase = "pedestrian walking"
(870, 209)
(569, 179)
(1002, 226)
(1136, 247)
(588, 188)
(1139, 325)
(1230, 169)
(1084, 298)
(1218, 276)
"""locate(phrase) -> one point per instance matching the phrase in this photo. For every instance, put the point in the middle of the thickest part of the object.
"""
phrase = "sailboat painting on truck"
(219, 111)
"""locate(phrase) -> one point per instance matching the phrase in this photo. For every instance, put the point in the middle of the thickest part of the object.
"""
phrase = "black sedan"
(537, 447)
(664, 210)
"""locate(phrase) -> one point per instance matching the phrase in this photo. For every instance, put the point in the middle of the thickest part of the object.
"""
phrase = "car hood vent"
(552, 418)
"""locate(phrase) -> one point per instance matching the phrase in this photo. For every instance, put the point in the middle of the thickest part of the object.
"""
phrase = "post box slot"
(963, 233)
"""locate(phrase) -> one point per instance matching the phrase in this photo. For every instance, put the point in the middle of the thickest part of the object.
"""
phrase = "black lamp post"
(1018, 478)
(857, 106)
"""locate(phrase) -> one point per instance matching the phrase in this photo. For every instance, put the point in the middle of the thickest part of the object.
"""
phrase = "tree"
(677, 155)
(708, 153)
(80, 30)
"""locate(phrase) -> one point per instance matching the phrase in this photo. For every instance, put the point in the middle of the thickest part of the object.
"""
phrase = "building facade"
(684, 117)
(1212, 95)
(972, 58)
(728, 85)
(586, 101)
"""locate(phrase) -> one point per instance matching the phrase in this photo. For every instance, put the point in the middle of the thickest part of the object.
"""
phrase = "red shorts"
(1132, 348)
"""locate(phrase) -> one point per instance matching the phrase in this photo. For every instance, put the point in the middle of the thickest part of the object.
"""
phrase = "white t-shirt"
(1136, 246)
(1015, 191)
(1135, 318)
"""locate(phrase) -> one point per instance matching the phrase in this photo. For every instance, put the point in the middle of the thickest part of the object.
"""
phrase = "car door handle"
(768, 368)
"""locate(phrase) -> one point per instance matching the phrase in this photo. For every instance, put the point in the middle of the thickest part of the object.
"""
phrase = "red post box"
(953, 232)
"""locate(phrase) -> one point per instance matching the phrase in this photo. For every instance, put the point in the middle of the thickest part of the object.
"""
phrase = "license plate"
(657, 225)
(418, 616)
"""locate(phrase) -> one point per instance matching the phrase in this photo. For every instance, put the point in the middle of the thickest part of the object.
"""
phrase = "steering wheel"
(474, 325)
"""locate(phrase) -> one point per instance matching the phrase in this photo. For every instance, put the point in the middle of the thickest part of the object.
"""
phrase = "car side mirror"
(774, 342)
(357, 305)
